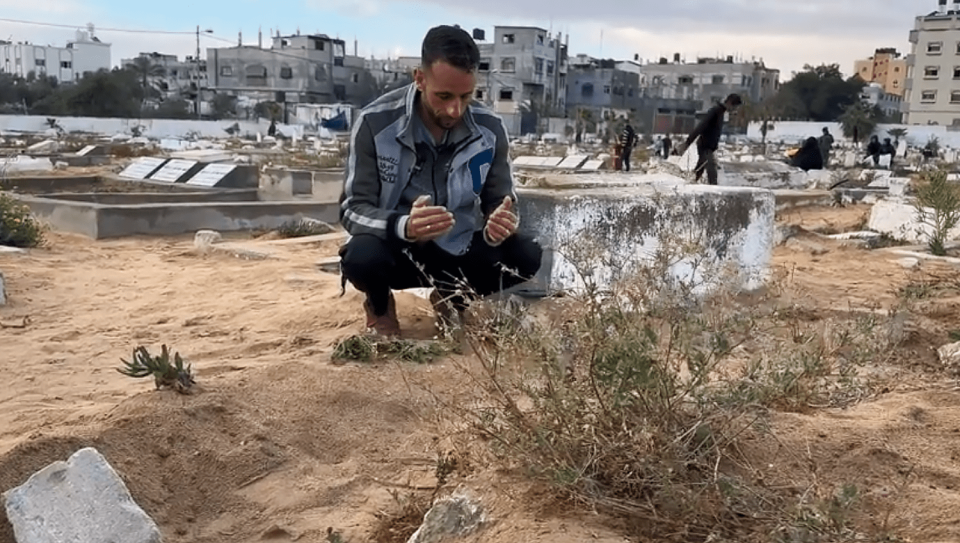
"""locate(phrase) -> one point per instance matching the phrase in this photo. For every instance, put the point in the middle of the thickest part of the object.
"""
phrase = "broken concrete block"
(908, 262)
(205, 238)
(44, 147)
(459, 515)
(82, 499)
(950, 355)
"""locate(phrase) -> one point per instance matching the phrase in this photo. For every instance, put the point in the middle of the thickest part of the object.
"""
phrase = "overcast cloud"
(786, 34)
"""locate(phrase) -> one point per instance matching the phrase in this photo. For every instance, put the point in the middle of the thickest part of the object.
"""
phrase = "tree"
(224, 106)
(147, 72)
(271, 111)
(817, 93)
(896, 134)
(860, 119)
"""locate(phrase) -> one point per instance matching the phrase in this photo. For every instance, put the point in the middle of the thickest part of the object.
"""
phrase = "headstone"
(592, 165)
(174, 170)
(82, 499)
(211, 174)
(86, 150)
(572, 162)
(849, 160)
(142, 167)
(885, 161)
(45, 146)
(902, 149)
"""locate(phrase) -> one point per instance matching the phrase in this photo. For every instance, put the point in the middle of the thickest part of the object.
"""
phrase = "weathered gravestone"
(82, 499)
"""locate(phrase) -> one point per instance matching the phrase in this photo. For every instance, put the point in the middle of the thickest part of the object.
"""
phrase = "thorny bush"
(633, 398)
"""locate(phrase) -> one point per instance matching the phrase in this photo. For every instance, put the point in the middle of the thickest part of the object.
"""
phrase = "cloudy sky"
(785, 33)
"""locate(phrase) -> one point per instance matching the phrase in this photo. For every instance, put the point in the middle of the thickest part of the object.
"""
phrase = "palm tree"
(148, 72)
(896, 134)
(859, 118)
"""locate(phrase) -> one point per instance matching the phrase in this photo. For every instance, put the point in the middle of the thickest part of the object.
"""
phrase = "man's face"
(446, 92)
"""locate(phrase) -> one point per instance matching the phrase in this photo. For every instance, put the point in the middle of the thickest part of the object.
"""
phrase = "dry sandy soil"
(279, 442)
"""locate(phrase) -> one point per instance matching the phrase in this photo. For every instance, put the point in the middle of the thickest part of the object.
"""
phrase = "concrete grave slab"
(204, 155)
(592, 165)
(551, 161)
(176, 170)
(611, 233)
(898, 219)
(82, 499)
(142, 167)
(572, 162)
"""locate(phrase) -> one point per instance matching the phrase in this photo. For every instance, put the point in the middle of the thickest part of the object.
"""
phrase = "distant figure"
(666, 146)
(809, 157)
(856, 136)
(826, 145)
(707, 135)
(628, 138)
(888, 148)
(873, 151)
(272, 131)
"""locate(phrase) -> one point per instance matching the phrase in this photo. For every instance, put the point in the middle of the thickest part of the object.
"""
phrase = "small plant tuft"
(362, 348)
(938, 206)
(18, 226)
(165, 373)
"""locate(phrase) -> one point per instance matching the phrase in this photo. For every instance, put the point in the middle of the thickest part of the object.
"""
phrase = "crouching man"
(428, 197)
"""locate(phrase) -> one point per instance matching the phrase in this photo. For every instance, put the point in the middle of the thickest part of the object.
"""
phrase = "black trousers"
(376, 266)
(625, 159)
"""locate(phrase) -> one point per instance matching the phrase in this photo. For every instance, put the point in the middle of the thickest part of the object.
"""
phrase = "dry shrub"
(633, 400)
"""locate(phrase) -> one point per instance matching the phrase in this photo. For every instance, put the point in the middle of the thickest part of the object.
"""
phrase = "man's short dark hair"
(734, 99)
(451, 44)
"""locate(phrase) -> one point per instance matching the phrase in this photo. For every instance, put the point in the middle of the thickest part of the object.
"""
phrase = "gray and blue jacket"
(383, 159)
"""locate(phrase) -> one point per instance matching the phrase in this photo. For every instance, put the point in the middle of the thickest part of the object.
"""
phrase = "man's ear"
(419, 77)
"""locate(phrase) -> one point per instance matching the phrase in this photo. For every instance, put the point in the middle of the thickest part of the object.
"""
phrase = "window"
(507, 38)
(286, 72)
(256, 75)
(340, 92)
(717, 80)
(484, 65)
(896, 69)
(41, 62)
(955, 97)
(934, 47)
(479, 94)
(226, 71)
(685, 80)
(539, 39)
(355, 77)
(320, 74)
(606, 89)
(338, 61)
(538, 66)
(318, 45)
(508, 64)
(66, 64)
(506, 95)
(931, 72)
(956, 72)
(549, 67)
(928, 96)
(586, 90)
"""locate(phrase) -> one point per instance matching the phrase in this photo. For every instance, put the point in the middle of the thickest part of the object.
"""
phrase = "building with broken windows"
(522, 75)
(886, 68)
(709, 80)
(297, 69)
(170, 76)
(84, 54)
(932, 95)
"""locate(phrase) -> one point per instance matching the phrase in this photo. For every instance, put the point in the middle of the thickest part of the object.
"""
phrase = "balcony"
(914, 36)
(910, 59)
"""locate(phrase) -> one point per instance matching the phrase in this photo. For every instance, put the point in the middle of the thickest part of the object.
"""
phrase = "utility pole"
(197, 101)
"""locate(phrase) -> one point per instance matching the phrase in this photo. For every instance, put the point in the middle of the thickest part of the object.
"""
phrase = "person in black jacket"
(707, 135)
(809, 157)
(628, 138)
(873, 151)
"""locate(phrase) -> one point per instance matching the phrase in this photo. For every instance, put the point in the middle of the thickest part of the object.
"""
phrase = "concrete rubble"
(82, 499)
(459, 515)
(3, 291)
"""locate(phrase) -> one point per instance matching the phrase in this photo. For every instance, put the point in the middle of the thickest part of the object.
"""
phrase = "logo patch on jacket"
(479, 166)
(388, 167)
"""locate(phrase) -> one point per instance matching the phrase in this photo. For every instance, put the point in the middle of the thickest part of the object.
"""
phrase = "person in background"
(887, 148)
(873, 151)
(628, 138)
(707, 135)
(826, 145)
(809, 157)
(666, 146)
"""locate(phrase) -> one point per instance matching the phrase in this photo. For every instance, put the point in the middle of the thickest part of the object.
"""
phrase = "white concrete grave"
(142, 167)
(174, 170)
(572, 162)
(211, 174)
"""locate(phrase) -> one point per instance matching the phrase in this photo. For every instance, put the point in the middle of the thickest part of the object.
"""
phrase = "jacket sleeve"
(499, 182)
(359, 209)
(704, 123)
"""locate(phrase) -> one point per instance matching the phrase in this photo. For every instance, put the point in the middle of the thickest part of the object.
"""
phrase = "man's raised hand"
(502, 223)
(428, 222)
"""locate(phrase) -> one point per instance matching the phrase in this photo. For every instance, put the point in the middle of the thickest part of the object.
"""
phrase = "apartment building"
(86, 53)
(312, 69)
(886, 68)
(521, 64)
(170, 75)
(890, 104)
(709, 80)
(932, 94)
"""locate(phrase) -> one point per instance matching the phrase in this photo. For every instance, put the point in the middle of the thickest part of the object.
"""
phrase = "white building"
(933, 70)
(170, 75)
(85, 54)
(890, 104)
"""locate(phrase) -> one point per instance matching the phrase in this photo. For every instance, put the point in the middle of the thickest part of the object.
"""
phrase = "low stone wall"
(282, 184)
(100, 221)
(603, 235)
